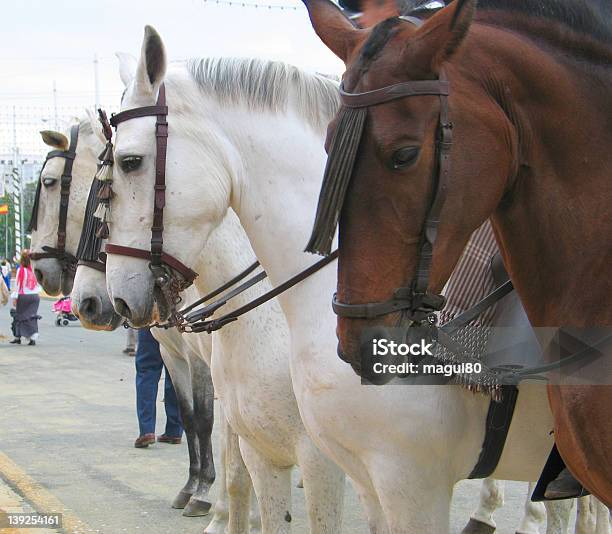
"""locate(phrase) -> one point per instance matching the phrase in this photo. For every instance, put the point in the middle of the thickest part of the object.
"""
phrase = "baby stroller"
(63, 313)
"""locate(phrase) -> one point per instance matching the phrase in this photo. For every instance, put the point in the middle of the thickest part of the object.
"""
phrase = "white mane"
(267, 85)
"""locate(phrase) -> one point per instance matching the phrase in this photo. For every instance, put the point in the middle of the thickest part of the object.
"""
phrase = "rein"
(194, 322)
(67, 260)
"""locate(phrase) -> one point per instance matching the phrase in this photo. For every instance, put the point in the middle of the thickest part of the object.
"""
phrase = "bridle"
(67, 260)
(413, 301)
(165, 267)
(171, 275)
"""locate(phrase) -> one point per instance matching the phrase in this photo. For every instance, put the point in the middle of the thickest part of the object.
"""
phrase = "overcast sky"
(43, 41)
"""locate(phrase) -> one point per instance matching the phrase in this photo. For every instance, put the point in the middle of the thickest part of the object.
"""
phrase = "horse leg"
(558, 515)
(602, 513)
(218, 523)
(179, 373)
(586, 516)
(203, 400)
(374, 513)
(414, 497)
(323, 489)
(238, 487)
(273, 489)
(254, 516)
(534, 516)
(491, 498)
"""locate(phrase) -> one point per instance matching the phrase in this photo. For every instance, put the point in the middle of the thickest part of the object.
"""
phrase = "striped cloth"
(472, 278)
(470, 282)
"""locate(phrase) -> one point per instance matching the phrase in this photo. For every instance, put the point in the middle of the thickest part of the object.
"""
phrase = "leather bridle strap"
(156, 256)
(414, 301)
(99, 265)
(142, 254)
(216, 292)
(59, 252)
(376, 97)
(195, 325)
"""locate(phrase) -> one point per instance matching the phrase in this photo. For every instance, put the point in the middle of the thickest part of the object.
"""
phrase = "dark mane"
(380, 36)
(592, 18)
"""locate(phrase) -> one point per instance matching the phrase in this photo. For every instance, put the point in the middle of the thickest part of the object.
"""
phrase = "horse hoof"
(477, 527)
(197, 508)
(181, 500)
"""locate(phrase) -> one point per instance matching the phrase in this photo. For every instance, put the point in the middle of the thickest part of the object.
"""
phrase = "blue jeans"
(149, 366)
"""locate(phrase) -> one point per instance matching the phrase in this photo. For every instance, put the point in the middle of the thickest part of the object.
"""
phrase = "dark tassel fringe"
(338, 171)
(33, 224)
(89, 244)
(103, 231)
(106, 156)
(106, 191)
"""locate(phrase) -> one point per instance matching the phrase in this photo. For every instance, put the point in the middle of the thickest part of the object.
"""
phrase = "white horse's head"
(51, 273)
(189, 194)
(229, 120)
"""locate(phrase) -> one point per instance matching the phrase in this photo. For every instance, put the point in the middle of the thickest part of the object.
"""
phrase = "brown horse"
(531, 114)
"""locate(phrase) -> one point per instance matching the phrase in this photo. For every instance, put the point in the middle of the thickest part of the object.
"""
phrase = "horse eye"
(404, 157)
(48, 181)
(130, 163)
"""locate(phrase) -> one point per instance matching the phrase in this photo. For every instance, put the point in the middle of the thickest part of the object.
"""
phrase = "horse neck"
(276, 192)
(277, 198)
(227, 252)
(554, 226)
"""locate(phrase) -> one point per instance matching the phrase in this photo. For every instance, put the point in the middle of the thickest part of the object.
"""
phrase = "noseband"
(163, 266)
(67, 260)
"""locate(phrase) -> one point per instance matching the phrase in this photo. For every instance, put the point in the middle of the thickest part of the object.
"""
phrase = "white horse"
(190, 374)
(249, 136)
(250, 368)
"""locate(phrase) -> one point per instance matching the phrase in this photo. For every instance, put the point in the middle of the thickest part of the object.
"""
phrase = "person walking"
(5, 267)
(130, 346)
(149, 367)
(26, 301)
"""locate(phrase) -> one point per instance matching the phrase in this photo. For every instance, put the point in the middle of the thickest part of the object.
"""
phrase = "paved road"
(67, 419)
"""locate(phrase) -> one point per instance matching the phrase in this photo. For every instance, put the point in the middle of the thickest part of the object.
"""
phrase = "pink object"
(25, 275)
(62, 305)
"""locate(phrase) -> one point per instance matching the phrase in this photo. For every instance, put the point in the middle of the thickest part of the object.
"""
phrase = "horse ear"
(151, 67)
(127, 67)
(332, 27)
(55, 139)
(440, 36)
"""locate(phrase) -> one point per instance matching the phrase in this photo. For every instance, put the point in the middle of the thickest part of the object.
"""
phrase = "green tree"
(29, 192)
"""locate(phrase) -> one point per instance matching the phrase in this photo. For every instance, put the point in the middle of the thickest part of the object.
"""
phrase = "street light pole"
(96, 81)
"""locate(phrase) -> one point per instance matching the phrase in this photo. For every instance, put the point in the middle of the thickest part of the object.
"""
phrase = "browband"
(147, 111)
(393, 92)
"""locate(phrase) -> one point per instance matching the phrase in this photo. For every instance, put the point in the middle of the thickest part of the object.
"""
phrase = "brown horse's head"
(392, 183)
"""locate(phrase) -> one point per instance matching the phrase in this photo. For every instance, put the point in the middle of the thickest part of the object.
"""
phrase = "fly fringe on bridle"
(105, 176)
(338, 172)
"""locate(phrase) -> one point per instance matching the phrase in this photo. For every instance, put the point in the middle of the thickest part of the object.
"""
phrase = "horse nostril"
(122, 308)
(88, 307)
(39, 275)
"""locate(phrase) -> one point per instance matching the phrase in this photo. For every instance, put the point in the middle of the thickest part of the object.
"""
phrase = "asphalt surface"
(67, 419)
